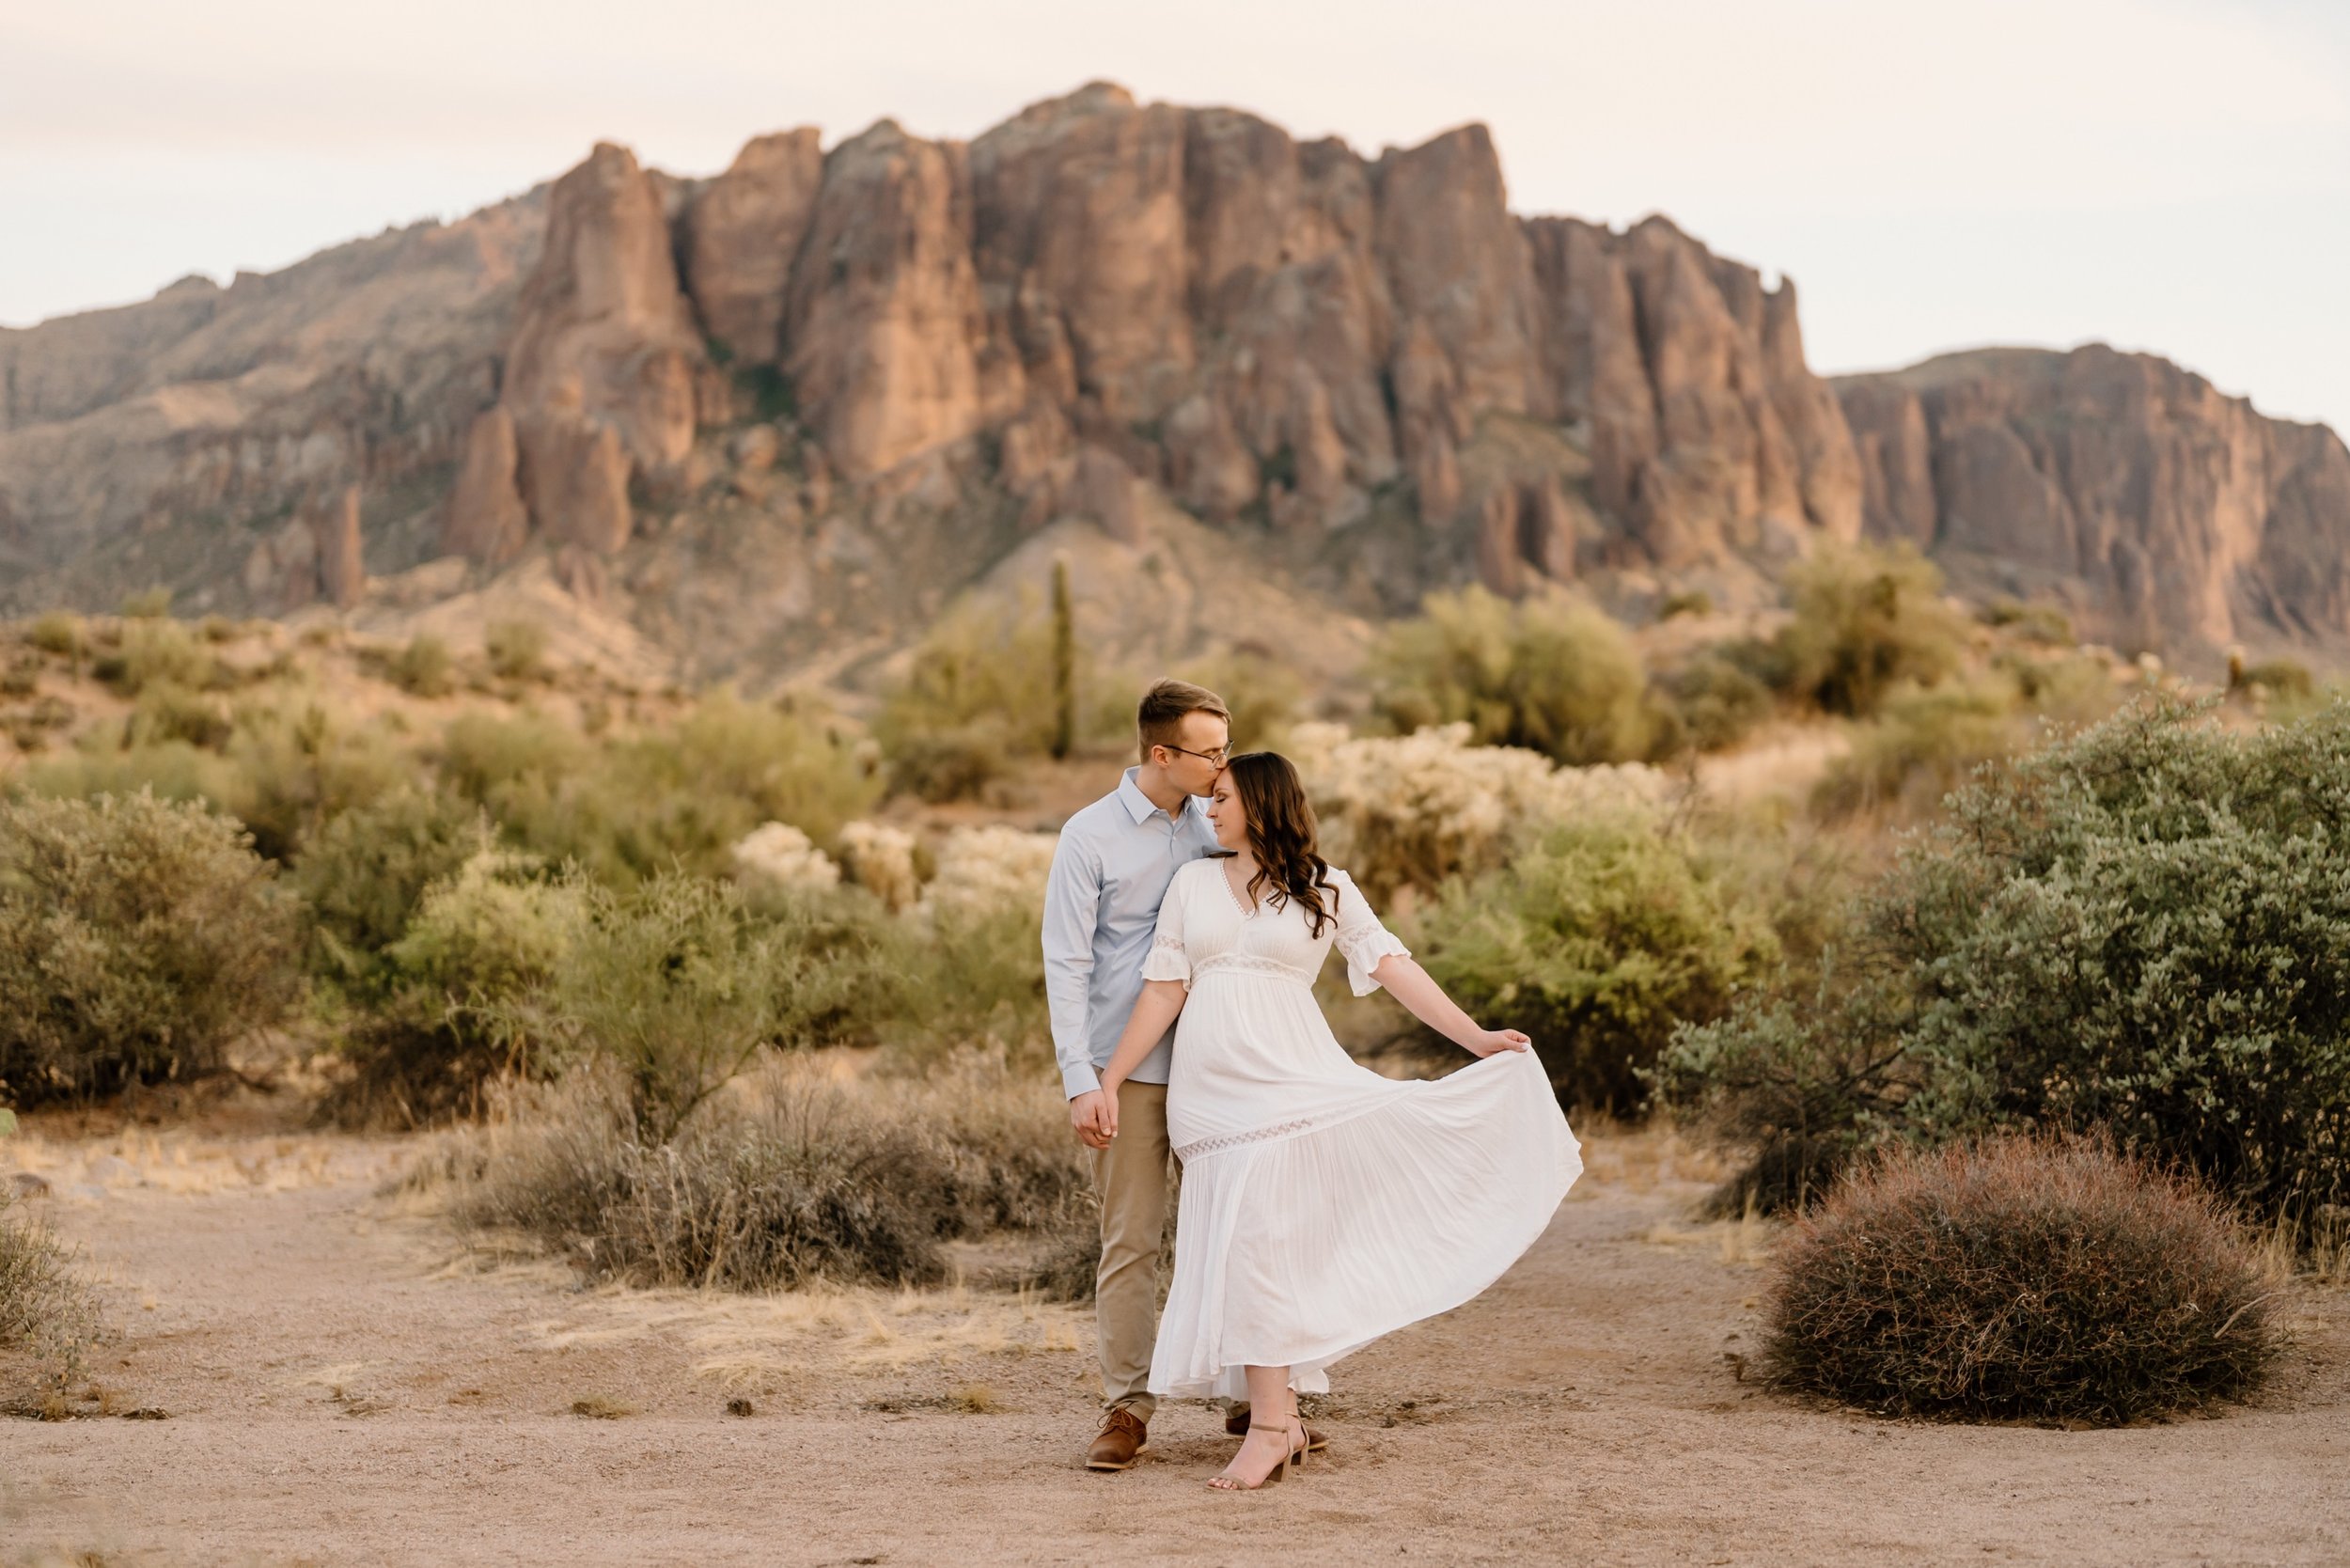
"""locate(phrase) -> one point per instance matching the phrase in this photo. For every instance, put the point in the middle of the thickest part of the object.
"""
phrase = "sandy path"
(343, 1388)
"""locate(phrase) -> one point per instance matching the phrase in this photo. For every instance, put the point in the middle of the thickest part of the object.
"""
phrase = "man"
(1110, 872)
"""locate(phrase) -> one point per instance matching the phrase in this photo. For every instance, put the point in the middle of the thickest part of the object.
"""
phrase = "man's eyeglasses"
(1219, 756)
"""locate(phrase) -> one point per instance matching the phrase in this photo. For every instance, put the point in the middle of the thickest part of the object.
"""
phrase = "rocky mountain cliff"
(772, 420)
(2161, 513)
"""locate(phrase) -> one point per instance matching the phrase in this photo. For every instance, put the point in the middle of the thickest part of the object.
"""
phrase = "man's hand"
(1087, 1114)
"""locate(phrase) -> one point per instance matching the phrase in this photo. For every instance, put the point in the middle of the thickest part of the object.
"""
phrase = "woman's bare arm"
(1417, 990)
(1154, 1012)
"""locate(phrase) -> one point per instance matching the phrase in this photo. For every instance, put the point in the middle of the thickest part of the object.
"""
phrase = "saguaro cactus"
(1064, 663)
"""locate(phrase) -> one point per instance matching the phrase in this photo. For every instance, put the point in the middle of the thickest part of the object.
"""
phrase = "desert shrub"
(517, 650)
(365, 875)
(2287, 679)
(678, 797)
(1918, 746)
(2037, 623)
(2019, 1279)
(284, 769)
(138, 938)
(1596, 938)
(98, 765)
(977, 693)
(47, 1310)
(1712, 700)
(964, 974)
(1865, 623)
(2144, 928)
(167, 712)
(1551, 674)
(432, 1017)
(1412, 810)
(423, 667)
(147, 605)
(678, 982)
(152, 651)
(885, 861)
(776, 856)
(798, 1178)
(299, 766)
(1260, 691)
(57, 632)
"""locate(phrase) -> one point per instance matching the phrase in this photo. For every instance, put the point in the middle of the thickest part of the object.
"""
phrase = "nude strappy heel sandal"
(1295, 1458)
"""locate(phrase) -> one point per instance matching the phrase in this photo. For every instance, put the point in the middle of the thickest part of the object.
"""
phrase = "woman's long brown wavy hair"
(1289, 868)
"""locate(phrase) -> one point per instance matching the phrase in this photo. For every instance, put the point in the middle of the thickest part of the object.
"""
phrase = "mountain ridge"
(812, 396)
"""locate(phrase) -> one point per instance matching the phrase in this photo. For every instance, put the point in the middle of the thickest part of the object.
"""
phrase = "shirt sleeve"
(1073, 908)
(1362, 939)
(1167, 959)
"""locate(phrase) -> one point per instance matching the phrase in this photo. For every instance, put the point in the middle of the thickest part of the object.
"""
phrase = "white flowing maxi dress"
(1324, 1205)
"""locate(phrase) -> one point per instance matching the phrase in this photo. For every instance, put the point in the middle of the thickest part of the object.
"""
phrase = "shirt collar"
(1138, 804)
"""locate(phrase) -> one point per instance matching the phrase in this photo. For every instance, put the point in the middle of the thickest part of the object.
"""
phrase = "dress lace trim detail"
(1252, 963)
(1168, 941)
(1233, 1140)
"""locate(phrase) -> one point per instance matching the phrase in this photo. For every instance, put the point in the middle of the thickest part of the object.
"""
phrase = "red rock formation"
(485, 518)
(606, 367)
(2163, 512)
(343, 572)
(742, 234)
(883, 328)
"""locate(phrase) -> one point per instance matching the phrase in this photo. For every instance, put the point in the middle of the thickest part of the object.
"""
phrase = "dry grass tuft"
(46, 1307)
(2021, 1279)
(974, 1398)
(797, 1176)
(597, 1407)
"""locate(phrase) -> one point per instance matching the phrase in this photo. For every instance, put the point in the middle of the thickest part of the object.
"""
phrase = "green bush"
(1712, 700)
(1918, 746)
(1865, 621)
(678, 983)
(424, 667)
(1596, 940)
(147, 605)
(680, 797)
(433, 1016)
(966, 977)
(976, 694)
(2144, 928)
(2041, 623)
(57, 632)
(1262, 692)
(167, 712)
(517, 650)
(1549, 673)
(365, 875)
(2019, 1279)
(299, 766)
(152, 651)
(138, 938)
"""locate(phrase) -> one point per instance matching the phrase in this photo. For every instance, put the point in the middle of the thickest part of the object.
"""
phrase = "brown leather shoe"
(1120, 1442)
(1237, 1424)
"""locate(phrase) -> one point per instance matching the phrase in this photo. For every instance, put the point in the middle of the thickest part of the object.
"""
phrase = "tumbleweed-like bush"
(794, 1176)
(2019, 1279)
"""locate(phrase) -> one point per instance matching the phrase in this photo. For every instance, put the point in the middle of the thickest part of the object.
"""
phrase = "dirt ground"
(342, 1381)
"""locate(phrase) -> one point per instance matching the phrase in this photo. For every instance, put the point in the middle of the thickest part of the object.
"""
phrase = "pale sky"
(2168, 174)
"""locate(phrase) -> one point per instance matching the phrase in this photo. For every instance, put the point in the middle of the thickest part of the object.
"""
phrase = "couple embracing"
(1323, 1205)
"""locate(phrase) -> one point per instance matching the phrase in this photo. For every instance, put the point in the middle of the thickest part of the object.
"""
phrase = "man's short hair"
(1161, 717)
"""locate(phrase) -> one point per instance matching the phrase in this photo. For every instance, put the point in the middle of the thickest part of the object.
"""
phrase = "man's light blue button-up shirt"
(1110, 872)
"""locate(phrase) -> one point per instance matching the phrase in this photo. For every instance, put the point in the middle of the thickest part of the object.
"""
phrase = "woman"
(1323, 1205)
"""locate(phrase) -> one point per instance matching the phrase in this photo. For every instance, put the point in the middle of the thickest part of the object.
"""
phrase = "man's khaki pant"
(1131, 1177)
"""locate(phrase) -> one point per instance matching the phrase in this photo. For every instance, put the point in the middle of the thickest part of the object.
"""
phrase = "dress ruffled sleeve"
(1167, 960)
(1362, 939)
